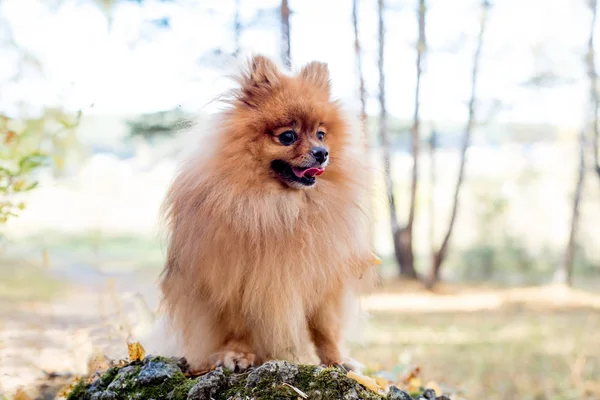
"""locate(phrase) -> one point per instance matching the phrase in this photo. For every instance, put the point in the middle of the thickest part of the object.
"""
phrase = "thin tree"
(593, 77)
(407, 263)
(361, 79)
(285, 34)
(440, 255)
(432, 179)
(383, 133)
(564, 272)
(363, 103)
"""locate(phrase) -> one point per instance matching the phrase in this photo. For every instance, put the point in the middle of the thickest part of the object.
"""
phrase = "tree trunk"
(564, 271)
(363, 106)
(593, 77)
(432, 147)
(286, 57)
(440, 255)
(405, 239)
(398, 235)
(361, 79)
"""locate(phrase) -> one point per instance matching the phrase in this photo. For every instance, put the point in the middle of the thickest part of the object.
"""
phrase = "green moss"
(128, 382)
(306, 375)
(180, 392)
(79, 391)
(239, 388)
(269, 389)
(107, 378)
(132, 388)
(157, 392)
(276, 392)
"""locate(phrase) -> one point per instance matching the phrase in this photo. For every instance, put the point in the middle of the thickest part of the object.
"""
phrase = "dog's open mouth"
(302, 175)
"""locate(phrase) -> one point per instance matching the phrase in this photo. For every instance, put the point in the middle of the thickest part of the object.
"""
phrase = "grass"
(490, 341)
(526, 346)
(27, 281)
(94, 249)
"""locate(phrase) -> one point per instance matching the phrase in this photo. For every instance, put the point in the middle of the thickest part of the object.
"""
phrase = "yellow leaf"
(21, 395)
(374, 259)
(19, 184)
(66, 390)
(366, 381)
(136, 351)
(414, 373)
(414, 384)
(382, 382)
(59, 161)
(10, 136)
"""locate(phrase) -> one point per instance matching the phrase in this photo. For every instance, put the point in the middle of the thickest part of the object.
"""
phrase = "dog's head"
(287, 126)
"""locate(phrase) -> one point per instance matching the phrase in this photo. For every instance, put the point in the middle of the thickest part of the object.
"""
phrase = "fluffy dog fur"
(259, 268)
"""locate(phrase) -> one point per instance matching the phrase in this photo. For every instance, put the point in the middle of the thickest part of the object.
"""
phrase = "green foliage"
(499, 256)
(509, 261)
(27, 146)
(163, 123)
(505, 260)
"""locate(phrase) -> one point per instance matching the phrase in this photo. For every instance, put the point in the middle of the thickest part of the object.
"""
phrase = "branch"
(563, 273)
(383, 128)
(440, 255)
(593, 77)
(421, 48)
(361, 80)
(285, 34)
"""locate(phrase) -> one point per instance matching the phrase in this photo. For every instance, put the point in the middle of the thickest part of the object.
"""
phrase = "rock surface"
(163, 378)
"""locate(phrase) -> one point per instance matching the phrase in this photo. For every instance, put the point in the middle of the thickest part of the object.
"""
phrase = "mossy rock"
(164, 378)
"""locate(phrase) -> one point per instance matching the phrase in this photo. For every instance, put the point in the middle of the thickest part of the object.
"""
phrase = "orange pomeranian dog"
(267, 232)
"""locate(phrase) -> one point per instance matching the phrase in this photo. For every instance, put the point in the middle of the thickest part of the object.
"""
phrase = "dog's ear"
(263, 72)
(317, 73)
(260, 78)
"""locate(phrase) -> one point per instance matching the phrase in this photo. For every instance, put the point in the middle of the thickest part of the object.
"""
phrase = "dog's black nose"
(320, 154)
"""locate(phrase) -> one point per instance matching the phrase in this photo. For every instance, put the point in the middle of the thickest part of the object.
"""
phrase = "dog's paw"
(236, 361)
(352, 365)
(346, 364)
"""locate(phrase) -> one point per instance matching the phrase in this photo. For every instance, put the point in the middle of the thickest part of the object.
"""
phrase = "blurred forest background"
(481, 121)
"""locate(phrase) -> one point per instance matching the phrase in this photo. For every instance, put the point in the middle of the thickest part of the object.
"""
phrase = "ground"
(486, 342)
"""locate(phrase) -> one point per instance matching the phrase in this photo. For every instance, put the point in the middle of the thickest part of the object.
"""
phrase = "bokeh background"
(93, 96)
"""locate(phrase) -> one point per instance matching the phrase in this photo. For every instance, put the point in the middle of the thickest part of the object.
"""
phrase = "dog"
(268, 244)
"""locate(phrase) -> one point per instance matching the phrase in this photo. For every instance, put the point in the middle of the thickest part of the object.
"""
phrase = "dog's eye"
(320, 135)
(287, 138)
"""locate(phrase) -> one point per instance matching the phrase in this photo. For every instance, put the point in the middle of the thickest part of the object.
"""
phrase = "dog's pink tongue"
(310, 172)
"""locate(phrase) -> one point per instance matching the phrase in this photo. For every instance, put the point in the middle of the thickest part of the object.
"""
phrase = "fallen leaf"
(374, 259)
(21, 395)
(414, 384)
(382, 382)
(414, 373)
(366, 381)
(59, 162)
(66, 390)
(298, 391)
(136, 351)
(10, 136)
